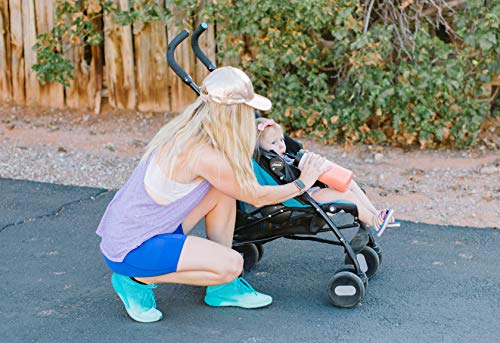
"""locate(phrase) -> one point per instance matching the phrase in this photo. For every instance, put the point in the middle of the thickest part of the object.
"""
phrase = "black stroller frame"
(262, 225)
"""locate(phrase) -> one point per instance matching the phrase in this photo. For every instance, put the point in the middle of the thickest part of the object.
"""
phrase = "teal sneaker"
(139, 300)
(237, 293)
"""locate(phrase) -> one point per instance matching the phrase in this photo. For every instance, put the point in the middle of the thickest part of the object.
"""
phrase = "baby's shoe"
(383, 220)
(237, 293)
(139, 300)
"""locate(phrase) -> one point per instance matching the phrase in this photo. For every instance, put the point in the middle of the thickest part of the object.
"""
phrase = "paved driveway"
(436, 284)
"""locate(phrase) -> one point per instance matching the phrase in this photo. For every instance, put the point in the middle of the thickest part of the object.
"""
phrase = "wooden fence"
(130, 67)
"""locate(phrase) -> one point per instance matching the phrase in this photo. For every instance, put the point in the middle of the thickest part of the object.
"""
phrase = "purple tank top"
(133, 217)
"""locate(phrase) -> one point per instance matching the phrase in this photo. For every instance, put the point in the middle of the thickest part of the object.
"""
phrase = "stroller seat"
(293, 216)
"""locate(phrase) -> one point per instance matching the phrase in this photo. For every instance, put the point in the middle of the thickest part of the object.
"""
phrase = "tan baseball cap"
(230, 86)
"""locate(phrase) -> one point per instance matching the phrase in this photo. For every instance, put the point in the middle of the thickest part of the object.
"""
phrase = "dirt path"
(438, 187)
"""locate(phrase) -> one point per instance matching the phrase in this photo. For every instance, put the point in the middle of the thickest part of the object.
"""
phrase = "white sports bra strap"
(168, 190)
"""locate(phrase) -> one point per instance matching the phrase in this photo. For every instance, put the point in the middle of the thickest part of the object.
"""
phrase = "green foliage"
(336, 70)
(51, 65)
(329, 78)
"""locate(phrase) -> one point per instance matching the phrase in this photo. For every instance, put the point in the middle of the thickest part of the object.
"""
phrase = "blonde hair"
(228, 129)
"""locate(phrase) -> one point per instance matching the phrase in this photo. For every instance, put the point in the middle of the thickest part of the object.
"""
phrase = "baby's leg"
(354, 187)
(329, 194)
(380, 215)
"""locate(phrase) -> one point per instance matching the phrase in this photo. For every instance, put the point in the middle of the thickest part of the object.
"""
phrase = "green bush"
(338, 76)
(398, 73)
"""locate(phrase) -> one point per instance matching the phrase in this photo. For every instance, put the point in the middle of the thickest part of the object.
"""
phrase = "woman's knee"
(232, 267)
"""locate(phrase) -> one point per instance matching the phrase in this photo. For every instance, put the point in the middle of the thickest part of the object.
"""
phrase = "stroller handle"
(173, 64)
(196, 47)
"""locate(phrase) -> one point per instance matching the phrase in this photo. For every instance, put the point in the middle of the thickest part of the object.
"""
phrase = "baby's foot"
(383, 220)
(392, 221)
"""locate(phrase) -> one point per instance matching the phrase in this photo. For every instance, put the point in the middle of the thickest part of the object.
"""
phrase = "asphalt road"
(436, 284)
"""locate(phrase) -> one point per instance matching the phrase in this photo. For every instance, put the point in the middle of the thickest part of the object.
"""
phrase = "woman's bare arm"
(215, 168)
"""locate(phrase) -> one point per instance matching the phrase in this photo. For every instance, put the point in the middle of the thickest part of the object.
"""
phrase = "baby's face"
(273, 140)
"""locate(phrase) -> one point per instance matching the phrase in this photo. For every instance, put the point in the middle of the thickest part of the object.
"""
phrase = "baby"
(270, 137)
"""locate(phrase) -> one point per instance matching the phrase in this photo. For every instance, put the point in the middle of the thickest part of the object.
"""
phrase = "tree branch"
(368, 15)
(450, 6)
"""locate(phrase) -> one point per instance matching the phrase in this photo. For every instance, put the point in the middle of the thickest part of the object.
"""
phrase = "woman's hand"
(314, 165)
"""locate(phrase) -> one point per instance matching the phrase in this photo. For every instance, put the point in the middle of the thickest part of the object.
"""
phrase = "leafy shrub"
(399, 72)
(338, 72)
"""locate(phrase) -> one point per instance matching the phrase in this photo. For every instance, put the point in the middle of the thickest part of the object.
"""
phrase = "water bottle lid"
(298, 157)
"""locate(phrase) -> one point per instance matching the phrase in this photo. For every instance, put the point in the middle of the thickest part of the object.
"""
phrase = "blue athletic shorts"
(158, 255)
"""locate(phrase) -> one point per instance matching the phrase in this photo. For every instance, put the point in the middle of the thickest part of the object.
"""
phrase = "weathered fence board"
(51, 94)
(17, 51)
(76, 95)
(150, 43)
(5, 56)
(118, 51)
(79, 94)
(96, 71)
(29, 38)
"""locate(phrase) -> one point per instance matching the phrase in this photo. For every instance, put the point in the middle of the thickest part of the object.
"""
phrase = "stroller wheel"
(345, 289)
(350, 268)
(260, 248)
(368, 259)
(378, 250)
(250, 255)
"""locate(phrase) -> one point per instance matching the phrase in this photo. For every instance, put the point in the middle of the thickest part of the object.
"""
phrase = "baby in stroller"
(270, 139)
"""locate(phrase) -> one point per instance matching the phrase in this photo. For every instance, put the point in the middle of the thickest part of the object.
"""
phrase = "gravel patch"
(71, 168)
(457, 187)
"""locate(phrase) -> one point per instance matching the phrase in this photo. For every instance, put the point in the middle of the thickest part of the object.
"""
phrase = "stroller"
(299, 218)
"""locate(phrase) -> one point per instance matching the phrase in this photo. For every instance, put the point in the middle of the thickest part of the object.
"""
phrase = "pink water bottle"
(336, 177)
